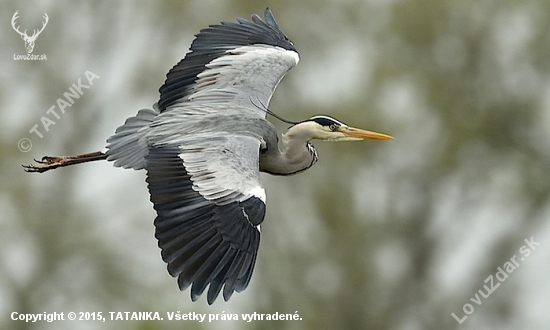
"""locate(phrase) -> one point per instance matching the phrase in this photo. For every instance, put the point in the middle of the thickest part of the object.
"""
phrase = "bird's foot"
(45, 164)
(49, 163)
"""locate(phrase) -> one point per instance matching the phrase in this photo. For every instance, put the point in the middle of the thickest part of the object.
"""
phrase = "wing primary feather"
(218, 275)
(203, 243)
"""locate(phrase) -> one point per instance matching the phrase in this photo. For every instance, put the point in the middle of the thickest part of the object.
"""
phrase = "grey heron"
(204, 144)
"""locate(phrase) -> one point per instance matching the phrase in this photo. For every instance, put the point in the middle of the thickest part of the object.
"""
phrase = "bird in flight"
(204, 144)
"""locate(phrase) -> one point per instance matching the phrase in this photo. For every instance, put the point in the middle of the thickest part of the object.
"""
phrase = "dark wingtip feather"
(270, 19)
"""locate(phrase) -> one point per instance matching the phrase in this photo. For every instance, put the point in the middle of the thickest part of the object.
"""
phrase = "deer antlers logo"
(29, 40)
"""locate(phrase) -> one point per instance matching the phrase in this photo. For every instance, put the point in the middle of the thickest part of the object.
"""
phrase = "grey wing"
(209, 204)
(238, 63)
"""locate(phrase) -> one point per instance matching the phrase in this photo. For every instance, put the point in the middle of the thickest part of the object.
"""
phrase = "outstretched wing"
(210, 203)
(239, 63)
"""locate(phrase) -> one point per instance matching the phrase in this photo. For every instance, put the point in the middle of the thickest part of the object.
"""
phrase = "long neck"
(296, 155)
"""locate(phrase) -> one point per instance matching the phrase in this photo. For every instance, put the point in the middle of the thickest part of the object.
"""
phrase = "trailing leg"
(49, 163)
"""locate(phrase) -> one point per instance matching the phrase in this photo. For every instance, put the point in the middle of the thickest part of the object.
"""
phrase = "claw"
(32, 168)
(47, 163)
(44, 164)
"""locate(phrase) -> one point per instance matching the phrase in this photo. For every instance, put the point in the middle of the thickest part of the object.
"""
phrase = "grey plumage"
(218, 41)
(203, 146)
(201, 149)
(128, 147)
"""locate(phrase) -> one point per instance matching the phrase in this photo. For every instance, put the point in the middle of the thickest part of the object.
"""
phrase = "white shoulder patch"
(259, 51)
(258, 192)
(295, 56)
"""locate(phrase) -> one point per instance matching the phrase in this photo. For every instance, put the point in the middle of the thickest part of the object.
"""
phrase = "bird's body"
(203, 146)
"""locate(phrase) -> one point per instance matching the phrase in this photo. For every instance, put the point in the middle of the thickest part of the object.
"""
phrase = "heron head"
(329, 129)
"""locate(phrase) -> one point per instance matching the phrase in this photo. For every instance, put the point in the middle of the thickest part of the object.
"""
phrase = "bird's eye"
(333, 127)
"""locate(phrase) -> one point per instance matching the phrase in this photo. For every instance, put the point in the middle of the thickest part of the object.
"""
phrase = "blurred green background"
(378, 235)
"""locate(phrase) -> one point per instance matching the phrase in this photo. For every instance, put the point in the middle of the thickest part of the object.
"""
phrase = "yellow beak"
(357, 133)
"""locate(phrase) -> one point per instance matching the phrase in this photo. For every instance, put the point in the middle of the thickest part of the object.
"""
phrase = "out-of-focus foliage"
(377, 235)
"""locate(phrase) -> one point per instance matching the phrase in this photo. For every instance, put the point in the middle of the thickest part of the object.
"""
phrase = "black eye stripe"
(323, 121)
(326, 121)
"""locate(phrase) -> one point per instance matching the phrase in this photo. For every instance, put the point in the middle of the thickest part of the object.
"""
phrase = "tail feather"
(127, 148)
